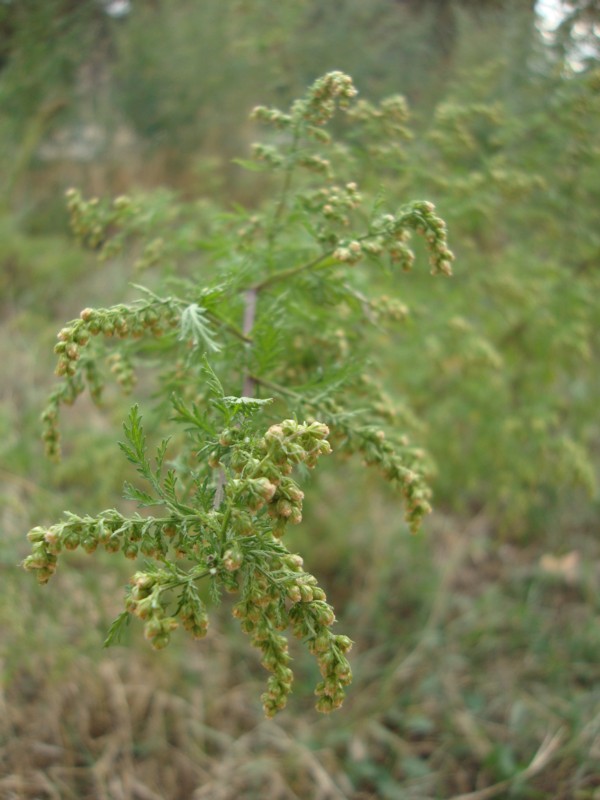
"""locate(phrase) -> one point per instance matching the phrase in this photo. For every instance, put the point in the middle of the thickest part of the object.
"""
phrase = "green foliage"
(285, 279)
(500, 365)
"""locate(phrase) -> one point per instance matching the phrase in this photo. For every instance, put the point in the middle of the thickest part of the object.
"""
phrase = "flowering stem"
(287, 183)
(250, 303)
(248, 390)
(324, 261)
(292, 271)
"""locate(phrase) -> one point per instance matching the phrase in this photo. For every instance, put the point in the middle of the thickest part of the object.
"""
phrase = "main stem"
(249, 382)
(250, 303)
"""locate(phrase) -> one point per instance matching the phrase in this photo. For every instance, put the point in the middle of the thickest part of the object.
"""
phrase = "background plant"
(476, 641)
(216, 524)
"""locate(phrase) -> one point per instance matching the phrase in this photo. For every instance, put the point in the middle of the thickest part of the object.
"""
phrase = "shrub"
(264, 340)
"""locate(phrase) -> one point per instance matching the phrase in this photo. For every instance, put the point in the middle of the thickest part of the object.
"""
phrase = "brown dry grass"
(439, 711)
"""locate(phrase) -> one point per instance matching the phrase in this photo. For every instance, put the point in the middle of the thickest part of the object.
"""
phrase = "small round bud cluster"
(43, 558)
(294, 443)
(251, 230)
(158, 629)
(316, 163)
(276, 593)
(262, 615)
(311, 620)
(349, 252)
(193, 616)
(254, 493)
(373, 247)
(233, 558)
(122, 368)
(271, 116)
(119, 321)
(143, 595)
(274, 648)
(94, 378)
(383, 126)
(335, 204)
(286, 505)
(99, 225)
(318, 107)
(268, 154)
(143, 599)
(391, 114)
(110, 529)
(400, 463)
(402, 255)
(152, 255)
(420, 217)
(390, 308)
(319, 134)
(66, 394)
(88, 219)
(266, 481)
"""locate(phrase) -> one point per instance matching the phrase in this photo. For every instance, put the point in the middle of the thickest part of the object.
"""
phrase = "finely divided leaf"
(195, 328)
(246, 406)
(116, 629)
(214, 384)
(131, 492)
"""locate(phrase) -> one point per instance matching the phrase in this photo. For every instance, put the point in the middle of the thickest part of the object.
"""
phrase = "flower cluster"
(269, 154)
(390, 234)
(227, 485)
(334, 205)
(122, 368)
(146, 600)
(382, 127)
(236, 545)
(315, 163)
(264, 472)
(420, 217)
(289, 597)
(147, 318)
(119, 321)
(269, 585)
(134, 536)
(98, 224)
(401, 464)
(389, 308)
(318, 107)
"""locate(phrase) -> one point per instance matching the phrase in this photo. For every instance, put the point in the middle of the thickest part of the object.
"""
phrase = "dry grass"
(493, 696)
(476, 662)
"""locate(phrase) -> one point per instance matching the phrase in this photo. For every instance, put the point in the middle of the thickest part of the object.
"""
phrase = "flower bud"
(295, 517)
(294, 594)
(295, 493)
(266, 489)
(71, 540)
(343, 642)
(284, 508)
(130, 550)
(36, 535)
(233, 558)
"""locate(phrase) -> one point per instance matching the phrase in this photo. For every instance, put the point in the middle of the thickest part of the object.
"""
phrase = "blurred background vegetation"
(477, 642)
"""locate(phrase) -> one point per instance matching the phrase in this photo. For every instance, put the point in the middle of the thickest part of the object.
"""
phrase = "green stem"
(287, 183)
(228, 326)
(293, 271)
(279, 389)
(321, 261)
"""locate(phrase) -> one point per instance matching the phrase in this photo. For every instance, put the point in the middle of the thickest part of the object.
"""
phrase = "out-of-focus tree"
(578, 34)
(43, 46)
(443, 19)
